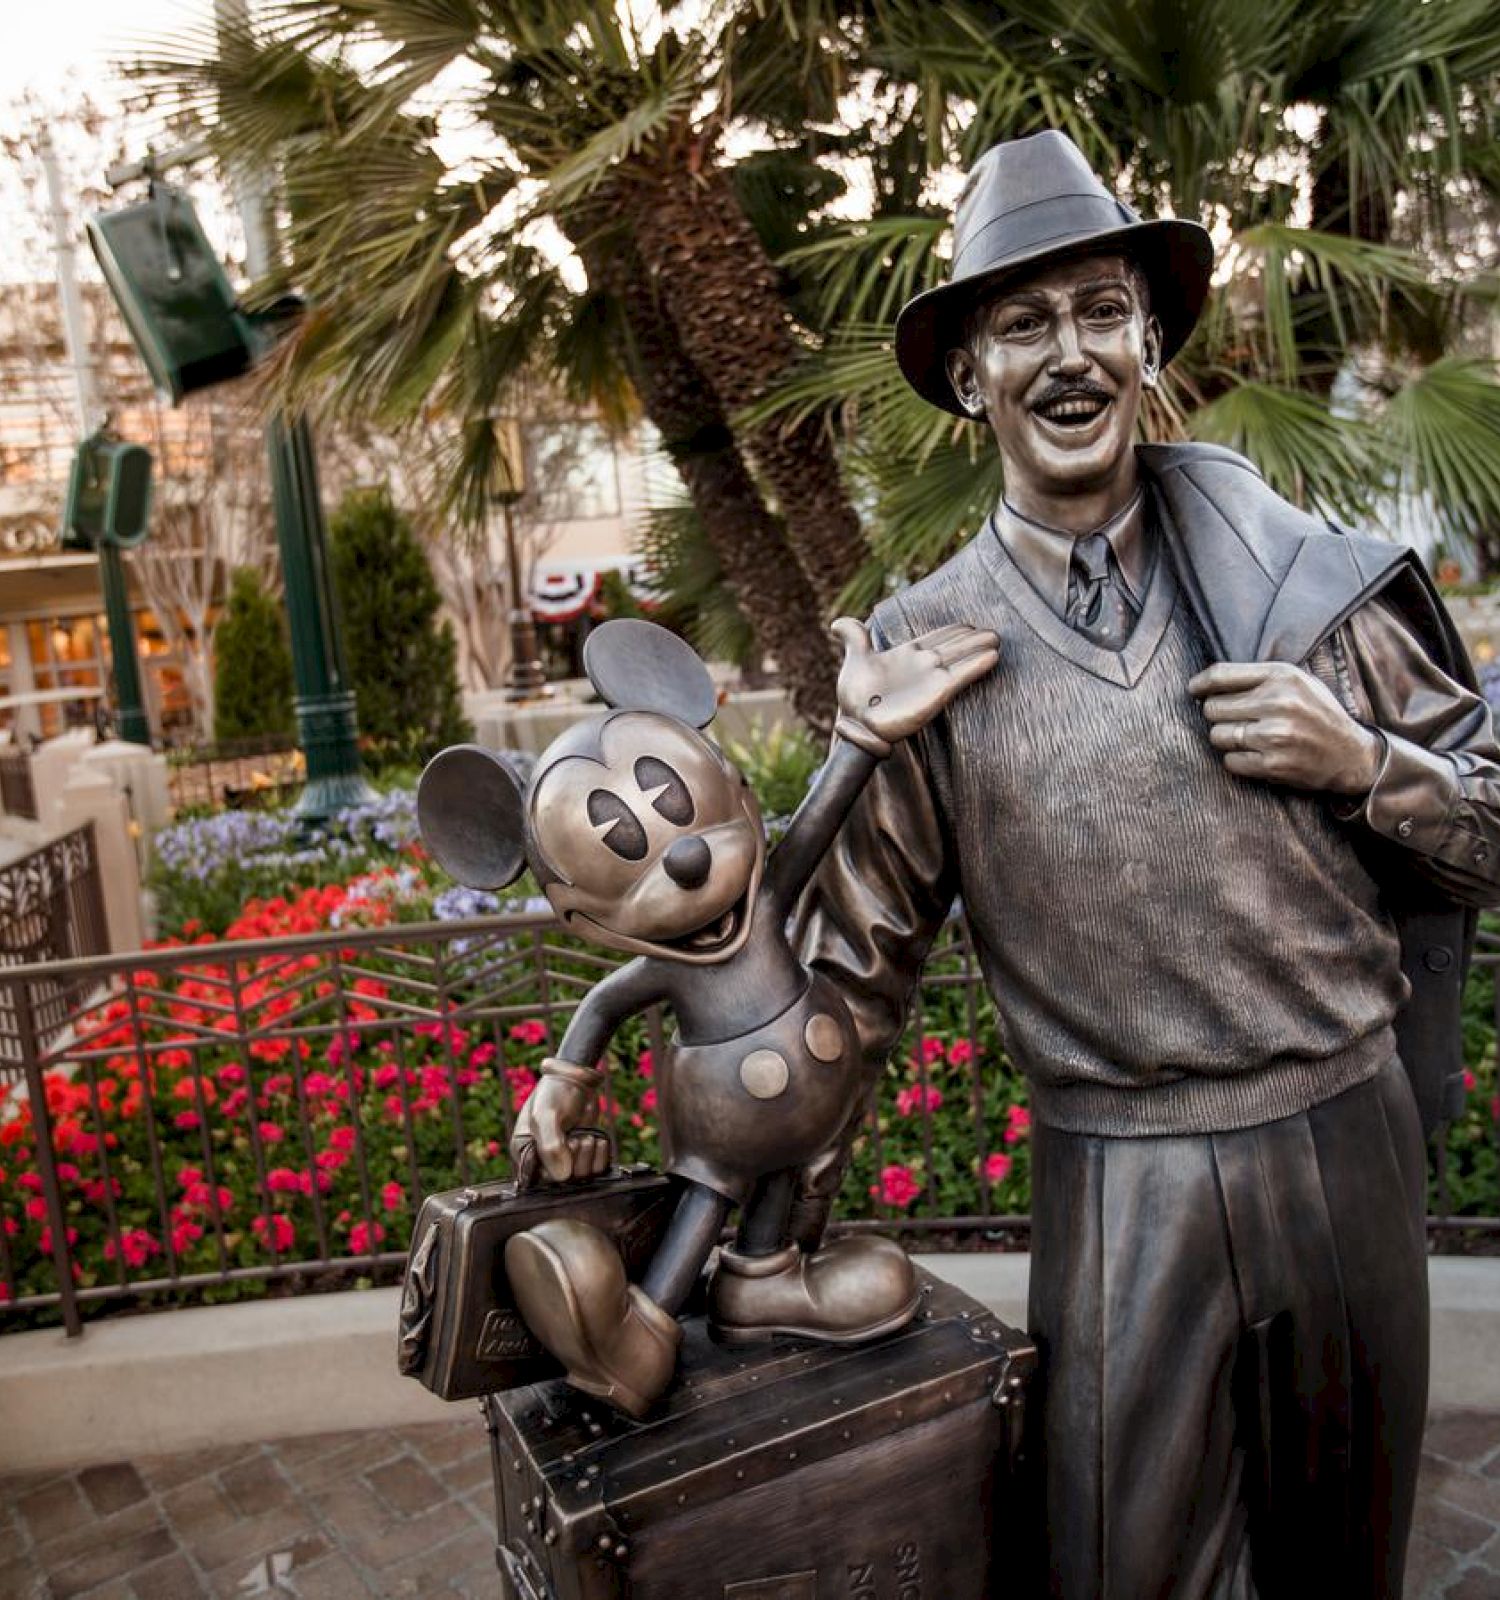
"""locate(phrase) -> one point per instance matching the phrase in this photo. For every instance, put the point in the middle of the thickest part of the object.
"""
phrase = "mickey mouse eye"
(617, 825)
(667, 792)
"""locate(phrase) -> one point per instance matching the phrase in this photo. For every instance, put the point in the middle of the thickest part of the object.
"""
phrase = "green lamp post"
(191, 333)
(109, 501)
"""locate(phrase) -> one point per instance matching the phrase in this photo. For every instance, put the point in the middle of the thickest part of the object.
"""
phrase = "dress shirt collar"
(1043, 553)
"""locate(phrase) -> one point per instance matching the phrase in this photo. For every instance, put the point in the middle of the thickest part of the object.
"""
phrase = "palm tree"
(1346, 158)
(427, 292)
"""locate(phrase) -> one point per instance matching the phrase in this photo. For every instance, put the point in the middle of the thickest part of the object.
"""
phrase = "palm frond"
(1441, 428)
(866, 271)
(1304, 450)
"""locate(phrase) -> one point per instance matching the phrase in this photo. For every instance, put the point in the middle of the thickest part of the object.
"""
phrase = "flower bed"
(284, 1112)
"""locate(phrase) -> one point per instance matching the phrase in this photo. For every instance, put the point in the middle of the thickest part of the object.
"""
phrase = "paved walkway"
(408, 1513)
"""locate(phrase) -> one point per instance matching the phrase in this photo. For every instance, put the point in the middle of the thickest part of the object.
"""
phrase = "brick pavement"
(407, 1514)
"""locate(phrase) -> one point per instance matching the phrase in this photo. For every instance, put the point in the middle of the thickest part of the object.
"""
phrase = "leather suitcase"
(789, 1471)
(460, 1332)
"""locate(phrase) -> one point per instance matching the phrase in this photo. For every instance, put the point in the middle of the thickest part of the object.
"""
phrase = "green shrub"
(252, 664)
(779, 765)
(402, 658)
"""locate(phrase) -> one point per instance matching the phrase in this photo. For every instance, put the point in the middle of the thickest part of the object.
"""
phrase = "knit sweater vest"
(1171, 949)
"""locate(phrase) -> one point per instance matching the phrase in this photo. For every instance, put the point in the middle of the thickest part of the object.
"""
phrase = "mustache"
(1071, 389)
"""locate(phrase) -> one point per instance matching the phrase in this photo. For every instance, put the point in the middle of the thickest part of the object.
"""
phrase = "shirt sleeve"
(1437, 793)
(878, 898)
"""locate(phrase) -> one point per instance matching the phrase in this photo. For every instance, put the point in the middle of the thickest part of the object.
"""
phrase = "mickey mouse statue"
(646, 839)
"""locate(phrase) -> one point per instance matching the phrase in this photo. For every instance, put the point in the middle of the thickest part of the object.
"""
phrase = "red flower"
(645, 1064)
(275, 1232)
(271, 1133)
(960, 1052)
(898, 1186)
(996, 1167)
(392, 1196)
(282, 1180)
(916, 1098)
(363, 1235)
(1471, 1083)
(532, 1031)
(1017, 1124)
(136, 1245)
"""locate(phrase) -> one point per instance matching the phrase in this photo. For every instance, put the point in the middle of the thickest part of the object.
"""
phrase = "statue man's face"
(1057, 363)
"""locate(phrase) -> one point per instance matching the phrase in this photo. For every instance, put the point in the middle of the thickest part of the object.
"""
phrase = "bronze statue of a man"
(1215, 819)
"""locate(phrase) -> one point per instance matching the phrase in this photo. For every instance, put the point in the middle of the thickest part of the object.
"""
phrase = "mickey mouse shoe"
(845, 1292)
(571, 1290)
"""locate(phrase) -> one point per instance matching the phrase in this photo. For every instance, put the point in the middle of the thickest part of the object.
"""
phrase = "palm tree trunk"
(762, 573)
(719, 288)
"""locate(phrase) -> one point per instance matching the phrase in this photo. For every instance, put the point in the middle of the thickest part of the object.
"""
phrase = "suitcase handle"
(529, 1171)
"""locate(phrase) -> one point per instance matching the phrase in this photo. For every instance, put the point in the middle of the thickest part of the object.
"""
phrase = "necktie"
(1098, 606)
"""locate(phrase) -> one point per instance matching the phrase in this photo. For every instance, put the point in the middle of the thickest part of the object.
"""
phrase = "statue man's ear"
(1151, 353)
(964, 376)
(637, 666)
(469, 808)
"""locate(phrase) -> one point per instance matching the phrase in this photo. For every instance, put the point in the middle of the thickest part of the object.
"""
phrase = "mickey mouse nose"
(687, 862)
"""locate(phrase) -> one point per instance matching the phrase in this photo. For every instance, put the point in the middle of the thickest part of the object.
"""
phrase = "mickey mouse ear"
(637, 666)
(471, 816)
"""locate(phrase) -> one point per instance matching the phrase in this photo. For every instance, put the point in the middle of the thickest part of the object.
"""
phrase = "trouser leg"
(1327, 1212)
(1234, 1331)
(1134, 1307)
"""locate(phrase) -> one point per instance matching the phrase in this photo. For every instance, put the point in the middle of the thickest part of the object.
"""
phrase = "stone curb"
(228, 1375)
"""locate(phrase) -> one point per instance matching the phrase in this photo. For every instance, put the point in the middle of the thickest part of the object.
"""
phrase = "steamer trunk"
(790, 1471)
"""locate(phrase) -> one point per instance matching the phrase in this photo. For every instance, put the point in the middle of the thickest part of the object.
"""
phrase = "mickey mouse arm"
(817, 820)
(622, 994)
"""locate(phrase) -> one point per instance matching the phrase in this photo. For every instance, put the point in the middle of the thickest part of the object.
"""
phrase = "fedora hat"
(1028, 203)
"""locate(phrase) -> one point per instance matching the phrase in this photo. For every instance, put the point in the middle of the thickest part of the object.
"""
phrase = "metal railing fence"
(251, 1112)
(51, 915)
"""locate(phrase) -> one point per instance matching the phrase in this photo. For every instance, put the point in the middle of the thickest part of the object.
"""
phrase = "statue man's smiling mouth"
(1073, 409)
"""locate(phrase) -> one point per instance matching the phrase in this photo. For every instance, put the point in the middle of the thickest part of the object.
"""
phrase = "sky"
(48, 39)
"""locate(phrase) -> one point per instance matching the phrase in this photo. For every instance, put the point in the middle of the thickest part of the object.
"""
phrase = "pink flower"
(1017, 1124)
(929, 1051)
(648, 1099)
(282, 1180)
(392, 1196)
(185, 1120)
(522, 1081)
(996, 1167)
(232, 1074)
(898, 1186)
(645, 1064)
(386, 1075)
(272, 1133)
(960, 1052)
(482, 1054)
(363, 1236)
(1471, 1083)
(189, 1175)
(341, 1139)
(918, 1098)
(532, 1031)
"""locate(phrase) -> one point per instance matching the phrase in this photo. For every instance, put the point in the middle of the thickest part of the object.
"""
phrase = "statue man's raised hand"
(889, 694)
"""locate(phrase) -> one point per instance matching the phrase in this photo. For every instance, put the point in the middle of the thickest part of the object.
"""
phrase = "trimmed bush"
(402, 657)
(252, 664)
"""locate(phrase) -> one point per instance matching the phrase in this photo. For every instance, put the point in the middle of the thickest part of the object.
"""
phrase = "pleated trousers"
(1234, 1340)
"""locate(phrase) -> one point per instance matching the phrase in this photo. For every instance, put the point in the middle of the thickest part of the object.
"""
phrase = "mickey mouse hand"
(885, 695)
(547, 1128)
